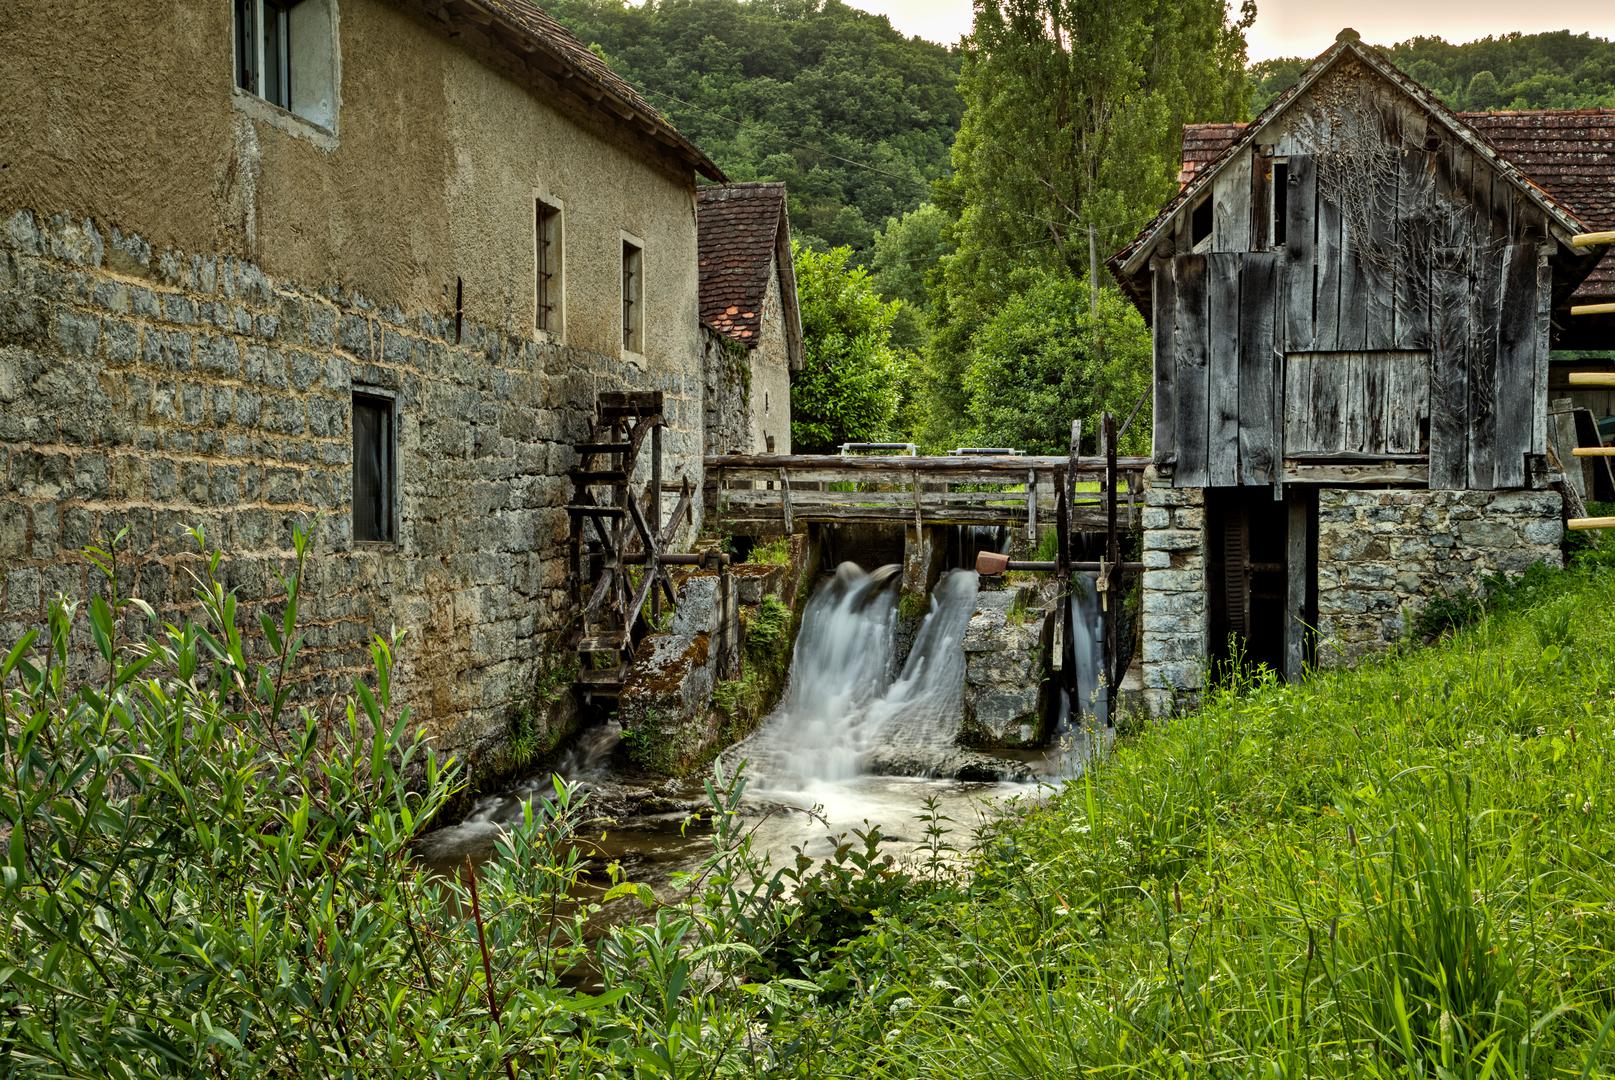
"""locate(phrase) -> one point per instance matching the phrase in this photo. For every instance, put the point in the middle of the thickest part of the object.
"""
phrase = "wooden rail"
(772, 490)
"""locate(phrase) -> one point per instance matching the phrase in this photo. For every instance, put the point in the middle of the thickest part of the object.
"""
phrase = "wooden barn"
(1353, 300)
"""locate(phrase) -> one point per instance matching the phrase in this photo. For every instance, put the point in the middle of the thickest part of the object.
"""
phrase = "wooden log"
(785, 499)
(1592, 239)
(1605, 379)
(1389, 474)
(1594, 451)
(1591, 523)
(1593, 309)
(986, 469)
(1295, 582)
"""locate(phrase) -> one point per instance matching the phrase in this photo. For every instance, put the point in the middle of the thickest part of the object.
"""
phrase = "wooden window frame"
(549, 267)
(1278, 201)
(389, 486)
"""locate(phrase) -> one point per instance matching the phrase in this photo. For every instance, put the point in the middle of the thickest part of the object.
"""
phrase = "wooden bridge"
(768, 493)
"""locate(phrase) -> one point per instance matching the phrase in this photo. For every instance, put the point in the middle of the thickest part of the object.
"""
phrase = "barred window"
(547, 267)
(633, 304)
(374, 475)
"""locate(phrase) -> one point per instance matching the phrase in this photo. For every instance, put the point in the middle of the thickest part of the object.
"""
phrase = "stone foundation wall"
(1174, 602)
(1383, 554)
(156, 390)
(726, 409)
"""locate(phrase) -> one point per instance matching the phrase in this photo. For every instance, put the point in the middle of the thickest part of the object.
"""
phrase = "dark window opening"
(264, 49)
(1200, 222)
(633, 313)
(548, 267)
(1280, 186)
(1249, 574)
(373, 472)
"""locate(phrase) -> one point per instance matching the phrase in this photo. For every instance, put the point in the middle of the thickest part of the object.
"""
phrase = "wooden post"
(655, 509)
(919, 512)
(1295, 580)
(1113, 558)
(1071, 466)
(1031, 506)
(785, 499)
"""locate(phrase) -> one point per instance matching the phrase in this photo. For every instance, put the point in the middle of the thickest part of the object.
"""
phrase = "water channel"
(858, 738)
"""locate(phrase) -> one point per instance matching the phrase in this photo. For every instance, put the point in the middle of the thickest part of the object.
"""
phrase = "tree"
(1074, 112)
(907, 254)
(1483, 92)
(1044, 359)
(851, 383)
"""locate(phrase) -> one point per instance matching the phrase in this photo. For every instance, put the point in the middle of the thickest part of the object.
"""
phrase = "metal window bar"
(547, 219)
(631, 309)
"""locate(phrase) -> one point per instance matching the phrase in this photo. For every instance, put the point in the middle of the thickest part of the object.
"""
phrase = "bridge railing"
(782, 490)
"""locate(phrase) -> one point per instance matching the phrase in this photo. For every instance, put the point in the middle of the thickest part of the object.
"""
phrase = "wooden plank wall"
(1437, 343)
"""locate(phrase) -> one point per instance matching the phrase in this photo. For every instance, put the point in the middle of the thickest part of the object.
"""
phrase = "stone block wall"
(156, 390)
(1383, 554)
(726, 408)
(1174, 601)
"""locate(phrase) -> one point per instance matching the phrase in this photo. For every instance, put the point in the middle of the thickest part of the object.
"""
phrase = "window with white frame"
(633, 297)
(285, 53)
(548, 281)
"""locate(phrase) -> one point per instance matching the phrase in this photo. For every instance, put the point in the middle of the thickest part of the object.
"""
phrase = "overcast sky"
(1307, 27)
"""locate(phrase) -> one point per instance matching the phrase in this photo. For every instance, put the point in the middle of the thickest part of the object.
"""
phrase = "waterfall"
(842, 702)
(1087, 645)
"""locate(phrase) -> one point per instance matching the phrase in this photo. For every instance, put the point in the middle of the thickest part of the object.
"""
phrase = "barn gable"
(1357, 277)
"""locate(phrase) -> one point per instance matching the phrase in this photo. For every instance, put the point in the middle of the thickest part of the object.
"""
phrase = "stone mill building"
(1353, 301)
(364, 264)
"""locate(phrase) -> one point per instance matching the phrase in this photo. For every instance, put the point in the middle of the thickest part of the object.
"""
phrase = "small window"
(547, 267)
(1279, 185)
(1200, 222)
(374, 477)
(633, 305)
(286, 54)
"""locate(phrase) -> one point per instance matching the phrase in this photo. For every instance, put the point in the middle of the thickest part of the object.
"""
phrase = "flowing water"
(857, 738)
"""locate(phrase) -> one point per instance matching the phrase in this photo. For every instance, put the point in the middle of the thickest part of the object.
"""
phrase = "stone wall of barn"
(156, 390)
(1174, 602)
(1384, 554)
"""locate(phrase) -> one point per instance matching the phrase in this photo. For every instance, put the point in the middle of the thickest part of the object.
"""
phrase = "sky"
(1307, 27)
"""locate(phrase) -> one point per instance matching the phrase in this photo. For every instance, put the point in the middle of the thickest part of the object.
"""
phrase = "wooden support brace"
(1604, 379)
(919, 509)
(785, 499)
(1594, 451)
(1592, 239)
(1591, 523)
(1593, 309)
(1031, 506)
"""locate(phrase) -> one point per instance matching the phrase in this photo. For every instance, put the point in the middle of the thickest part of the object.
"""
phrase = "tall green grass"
(1403, 870)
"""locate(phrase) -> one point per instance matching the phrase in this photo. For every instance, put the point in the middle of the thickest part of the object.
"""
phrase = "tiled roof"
(537, 32)
(1570, 153)
(1203, 144)
(739, 226)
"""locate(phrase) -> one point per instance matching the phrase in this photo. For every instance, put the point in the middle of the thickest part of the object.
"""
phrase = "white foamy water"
(1087, 641)
(843, 704)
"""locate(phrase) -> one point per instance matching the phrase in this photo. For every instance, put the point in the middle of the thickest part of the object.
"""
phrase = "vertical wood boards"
(1355, 403)
(1295, 588)
(1258, 368)
(1164, 306)
(1485, 287)
(1300, 274)
(1544, 316)
(1515, 383)
(1231, 205)
(1449, 368)
(1191, 394)
(1414, 238)
(1330, 259)
(1222, 370)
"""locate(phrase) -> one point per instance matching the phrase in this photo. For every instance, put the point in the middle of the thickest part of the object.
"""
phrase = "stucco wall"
(192, 284)
(1382, 555)
(430, 176)
(771, 376)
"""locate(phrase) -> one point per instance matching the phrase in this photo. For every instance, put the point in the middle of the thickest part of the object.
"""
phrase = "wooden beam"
(1593, 378)
(1591, 523)
(1594, 451)
(1593, 309)
(1592, 239)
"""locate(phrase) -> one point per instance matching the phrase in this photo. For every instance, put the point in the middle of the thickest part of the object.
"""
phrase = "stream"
(857, 739)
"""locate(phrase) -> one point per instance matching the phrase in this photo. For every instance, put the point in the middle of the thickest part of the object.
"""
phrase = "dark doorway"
(1261, 576)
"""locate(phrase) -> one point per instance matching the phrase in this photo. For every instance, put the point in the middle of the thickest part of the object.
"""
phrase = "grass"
(1404, 870)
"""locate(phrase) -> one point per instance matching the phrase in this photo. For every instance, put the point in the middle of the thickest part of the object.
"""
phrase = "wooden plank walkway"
(768, 491)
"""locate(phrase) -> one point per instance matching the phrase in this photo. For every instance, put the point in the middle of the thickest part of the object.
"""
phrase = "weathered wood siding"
(1402, 314)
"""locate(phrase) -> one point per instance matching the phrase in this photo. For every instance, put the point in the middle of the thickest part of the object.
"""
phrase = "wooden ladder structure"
(1593, 379)
(618, 538)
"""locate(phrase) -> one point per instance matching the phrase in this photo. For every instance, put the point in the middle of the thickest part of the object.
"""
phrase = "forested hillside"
(855, 117)
(1559, 70)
